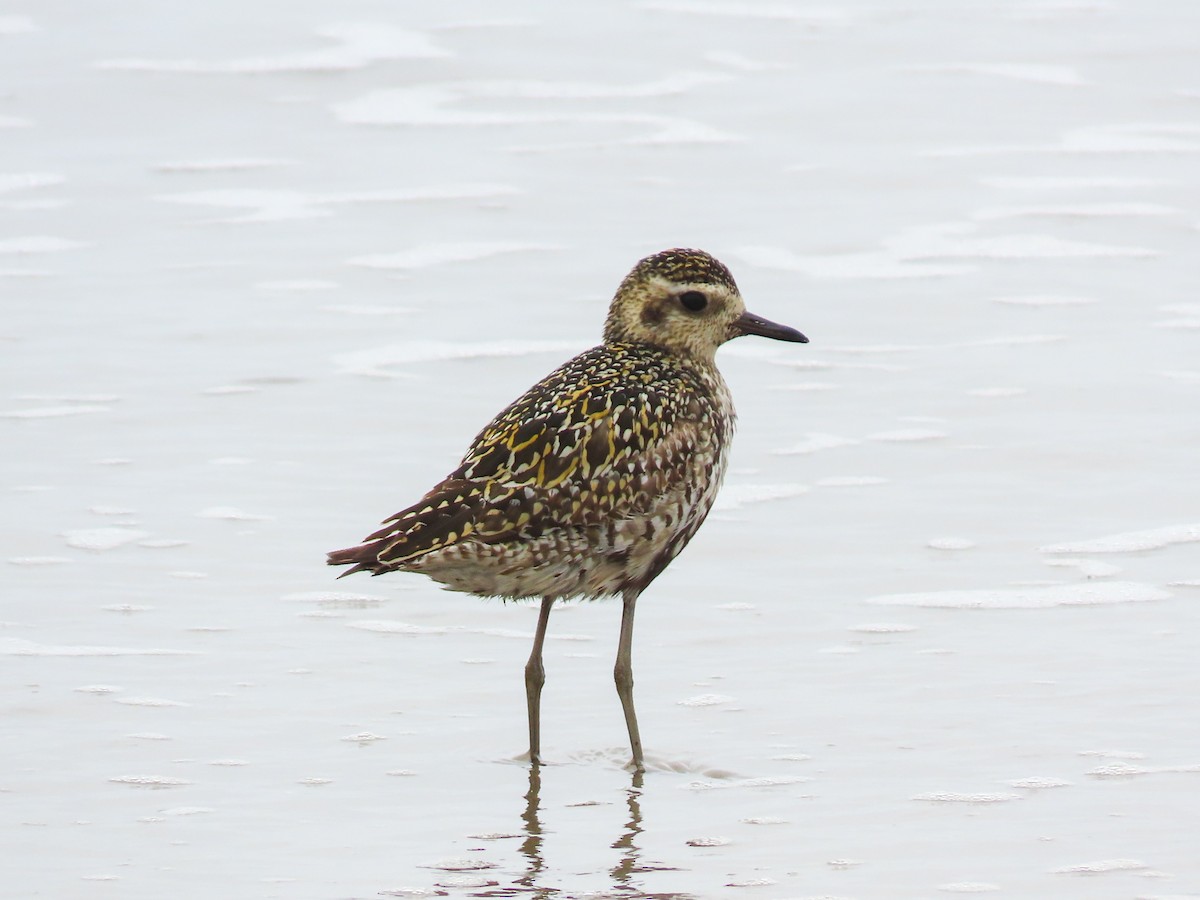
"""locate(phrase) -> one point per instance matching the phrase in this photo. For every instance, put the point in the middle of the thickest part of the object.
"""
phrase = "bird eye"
(693, 300)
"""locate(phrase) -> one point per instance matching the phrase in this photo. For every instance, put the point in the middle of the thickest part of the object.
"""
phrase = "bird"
(591, 482)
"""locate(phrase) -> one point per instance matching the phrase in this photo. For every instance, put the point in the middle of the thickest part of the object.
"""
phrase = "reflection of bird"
(623, 873)
(593, 480)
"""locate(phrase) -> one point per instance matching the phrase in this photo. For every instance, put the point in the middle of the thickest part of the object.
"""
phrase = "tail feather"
(363, 558)
(443, 516)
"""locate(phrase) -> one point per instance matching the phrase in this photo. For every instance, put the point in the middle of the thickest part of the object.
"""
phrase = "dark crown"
(683, 267)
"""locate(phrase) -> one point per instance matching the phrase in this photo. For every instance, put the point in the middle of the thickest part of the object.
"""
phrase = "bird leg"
(623, 675)
(535, 677)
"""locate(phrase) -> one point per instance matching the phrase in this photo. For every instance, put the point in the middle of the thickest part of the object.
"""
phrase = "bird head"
(687, 302)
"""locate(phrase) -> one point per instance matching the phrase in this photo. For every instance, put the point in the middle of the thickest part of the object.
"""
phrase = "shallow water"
(265, 271)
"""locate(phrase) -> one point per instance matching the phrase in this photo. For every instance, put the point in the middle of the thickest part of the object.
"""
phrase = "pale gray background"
(265, 268)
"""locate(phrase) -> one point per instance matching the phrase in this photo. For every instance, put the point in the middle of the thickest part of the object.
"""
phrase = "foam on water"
(1130, 541)
(39, 244)
(111, 510)
(229, 164)
(336, 598)
(1101, 867)
(740, 63)
(1149, 138)
(736, 496)
(1019, 340)
(284, 205)
(1188, 324)
(449, 104)
(1068, 182)
(953, 797)
(355, 47)
(103, 538)
(1089, 568)
(815, 441)
(426, 255)
(909, 253)
(706, 700)
(807, 386)
(368, 311)
(154, 702)
(230, 514)
(460, 864)
(1114, 754)
(811, 17)
(735, 783)
(883, 628)
(907, 435)
(1037, 597)
(752, 882)
(968, 887)
(667, 86)
(950, 543)
(71, 398)
(13, 24)
(25, 181)
(1057, 75)
(958, 240)
(850, 481)
(55, 412)
(297, 285)
(38, 560)
(1078, 211)
(363, 738)
(1127, 770)
(1038, 783)
(22, 647)
(374, 362)
(1184, 375)
(708, 842)
(852, 266)
(997, 392)
(150, 781)
(392, 627)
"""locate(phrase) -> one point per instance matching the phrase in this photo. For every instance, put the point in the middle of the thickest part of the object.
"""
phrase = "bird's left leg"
(623, 675)
(535, 677)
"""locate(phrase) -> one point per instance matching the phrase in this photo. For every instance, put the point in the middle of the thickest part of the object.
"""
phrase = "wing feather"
(587, 445)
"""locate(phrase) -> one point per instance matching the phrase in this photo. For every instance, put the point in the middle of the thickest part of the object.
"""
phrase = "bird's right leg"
(535, 677)
(623, 674)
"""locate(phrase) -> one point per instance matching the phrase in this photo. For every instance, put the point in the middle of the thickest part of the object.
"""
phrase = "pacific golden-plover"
(593, 480)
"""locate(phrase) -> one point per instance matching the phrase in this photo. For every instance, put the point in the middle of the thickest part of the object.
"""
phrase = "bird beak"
(748, 323)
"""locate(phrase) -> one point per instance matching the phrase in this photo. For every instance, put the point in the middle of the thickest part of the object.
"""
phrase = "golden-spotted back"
(592, 481)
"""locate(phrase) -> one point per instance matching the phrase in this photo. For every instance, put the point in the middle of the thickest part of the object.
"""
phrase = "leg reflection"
(631, 864)
(622, 873)
(531, 847)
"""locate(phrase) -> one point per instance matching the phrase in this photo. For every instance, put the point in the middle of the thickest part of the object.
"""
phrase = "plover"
(594, 479)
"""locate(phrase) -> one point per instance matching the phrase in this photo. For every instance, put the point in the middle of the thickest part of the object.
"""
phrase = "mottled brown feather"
(593, 480)
(604, 437)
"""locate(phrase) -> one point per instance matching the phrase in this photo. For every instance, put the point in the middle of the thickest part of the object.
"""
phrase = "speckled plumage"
(588, 484)
(592, 481)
